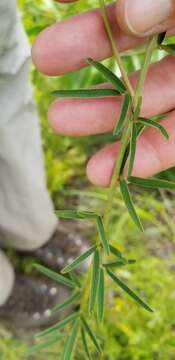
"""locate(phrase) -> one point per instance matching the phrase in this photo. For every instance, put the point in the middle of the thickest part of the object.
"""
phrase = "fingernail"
(142, 16)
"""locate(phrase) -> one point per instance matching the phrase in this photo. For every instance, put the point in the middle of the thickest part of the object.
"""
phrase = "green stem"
(117, 169)
(126, 133)
(135, 100)
(143, 73)
(115, 49)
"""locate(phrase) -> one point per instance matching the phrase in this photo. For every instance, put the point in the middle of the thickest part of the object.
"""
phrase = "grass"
(132, 334)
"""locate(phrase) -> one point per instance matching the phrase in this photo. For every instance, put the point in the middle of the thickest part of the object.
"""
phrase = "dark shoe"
(30, 303)
(65, 244)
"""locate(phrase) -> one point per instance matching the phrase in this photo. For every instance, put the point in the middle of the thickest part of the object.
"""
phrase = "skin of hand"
(65, 46)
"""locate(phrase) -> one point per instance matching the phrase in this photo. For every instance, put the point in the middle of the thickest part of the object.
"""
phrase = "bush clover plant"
(88, 291)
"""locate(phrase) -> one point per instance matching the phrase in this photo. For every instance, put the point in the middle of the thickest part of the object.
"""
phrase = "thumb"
(145, 17)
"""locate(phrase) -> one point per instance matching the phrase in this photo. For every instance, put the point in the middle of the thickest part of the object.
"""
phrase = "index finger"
(65, 46)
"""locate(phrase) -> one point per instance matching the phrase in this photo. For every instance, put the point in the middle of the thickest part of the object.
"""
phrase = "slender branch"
(125, 137)
(143, 73)
(117, 169)
(96, 293)
(135, 99)
(115, 49)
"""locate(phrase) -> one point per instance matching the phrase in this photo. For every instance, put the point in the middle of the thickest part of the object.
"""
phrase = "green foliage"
(101, 296)
(129, 204)
(132, 150)
(35, 349)
(54, 276)
(154, 124)
(69, 301)
(90, 333)
(131, 333)
(58, 326)
(79, 260)
(93, 93)
(108, 75)
(129, 116)
(94, 280)
(153, 183)
(70, 343)
(85, 344)
(124, 109)
(129, 291)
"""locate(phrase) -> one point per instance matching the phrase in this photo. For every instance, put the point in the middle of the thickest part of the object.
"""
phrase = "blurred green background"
(130, 333)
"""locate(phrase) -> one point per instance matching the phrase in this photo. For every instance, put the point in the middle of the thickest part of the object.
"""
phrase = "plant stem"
(143, 73)
(126, 132)
(135, 100)
(115, 50)
(117, 169)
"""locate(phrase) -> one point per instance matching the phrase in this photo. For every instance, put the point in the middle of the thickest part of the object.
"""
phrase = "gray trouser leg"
(27, 218)
(6, 278)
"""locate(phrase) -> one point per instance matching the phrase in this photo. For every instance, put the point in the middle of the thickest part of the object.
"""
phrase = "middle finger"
(81, 117)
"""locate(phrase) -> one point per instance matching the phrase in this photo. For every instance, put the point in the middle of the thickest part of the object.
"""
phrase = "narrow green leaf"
(94, 280)
(108, 75)
(129, 291)
(85, 345)
(82, 93)
(35, 349)
(79, 260)
(152, 183)
(58, 326)
(140, 128)
(120, 263)
(122, 117)
(170, 49)
(125, 158)
(75, 279)
(69, 301)
(71, 341)
(102, 234)
(74, 214)
(132, 152)
(101, 296)
(137, 110)
(90, 333)
(117, 253)
(156, 125)
(161, 38)
(54, 276)
(115, 264)
(129, 204)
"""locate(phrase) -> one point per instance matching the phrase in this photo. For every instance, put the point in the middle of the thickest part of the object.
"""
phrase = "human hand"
(65, 46)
